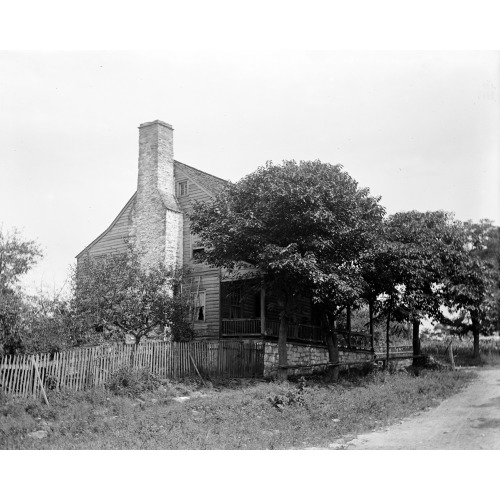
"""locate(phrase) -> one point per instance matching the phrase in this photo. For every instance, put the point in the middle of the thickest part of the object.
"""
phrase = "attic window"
(182, 188)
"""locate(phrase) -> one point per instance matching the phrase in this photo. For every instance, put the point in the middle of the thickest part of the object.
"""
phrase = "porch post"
(348, 314)
(262, 309)
(220, 303)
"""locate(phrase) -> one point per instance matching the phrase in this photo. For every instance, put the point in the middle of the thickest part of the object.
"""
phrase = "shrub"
(38, 410)
(127, 381)
(293, 397)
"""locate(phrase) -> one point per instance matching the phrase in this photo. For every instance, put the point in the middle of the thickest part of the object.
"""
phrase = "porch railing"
(354, 340)
(296, 331)
(247, 326)
(240, 326)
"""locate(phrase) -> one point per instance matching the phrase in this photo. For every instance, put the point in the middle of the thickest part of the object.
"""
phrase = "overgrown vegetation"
(17, 257)
(232, 414)
(128, 381)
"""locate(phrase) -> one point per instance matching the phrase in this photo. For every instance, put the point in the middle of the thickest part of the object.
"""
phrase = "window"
(198, 303)
(256, 305)
(197, 245)
(182, 188)
(235, 303)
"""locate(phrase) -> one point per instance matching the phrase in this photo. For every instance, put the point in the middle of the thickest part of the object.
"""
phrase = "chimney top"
(156, 122)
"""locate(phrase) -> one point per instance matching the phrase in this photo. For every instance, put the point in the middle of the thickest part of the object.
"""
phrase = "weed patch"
(128, 381)
(292, 397)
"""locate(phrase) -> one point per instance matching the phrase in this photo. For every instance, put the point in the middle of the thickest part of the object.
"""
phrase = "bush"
(293, 397)
(127, 381)
(38, 410)
(9, 407)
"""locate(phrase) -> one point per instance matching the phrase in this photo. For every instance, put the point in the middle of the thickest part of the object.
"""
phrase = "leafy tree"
(49, 324)
(406, 270)
(12, 313)
(117, 297)
(17, 257)
(472, 287)
(381, 276)
(334, 296)
(301, 225)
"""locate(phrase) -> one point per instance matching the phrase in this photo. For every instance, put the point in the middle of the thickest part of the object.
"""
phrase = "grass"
(234, 414)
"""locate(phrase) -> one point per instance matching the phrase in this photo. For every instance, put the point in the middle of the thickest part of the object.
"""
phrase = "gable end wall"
(208, 277)
(116, 237)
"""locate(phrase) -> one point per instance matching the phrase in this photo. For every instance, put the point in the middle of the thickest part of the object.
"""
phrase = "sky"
(419, 128)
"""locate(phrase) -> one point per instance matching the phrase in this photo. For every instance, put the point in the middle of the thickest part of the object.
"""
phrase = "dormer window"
(182, 188)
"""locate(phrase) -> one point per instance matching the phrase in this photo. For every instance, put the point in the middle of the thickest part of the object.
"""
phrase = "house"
(156, 221)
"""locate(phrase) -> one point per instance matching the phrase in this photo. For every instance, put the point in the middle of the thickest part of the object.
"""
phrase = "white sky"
(420, 129)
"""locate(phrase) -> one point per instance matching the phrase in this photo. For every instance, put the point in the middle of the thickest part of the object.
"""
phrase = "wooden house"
(156, 221)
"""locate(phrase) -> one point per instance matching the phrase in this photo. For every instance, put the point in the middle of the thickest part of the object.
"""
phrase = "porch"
(246, 312)
(262, 328)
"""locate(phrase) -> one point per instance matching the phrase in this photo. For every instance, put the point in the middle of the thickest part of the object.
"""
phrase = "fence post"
(452, 360)
(262, 309)
(40, 381)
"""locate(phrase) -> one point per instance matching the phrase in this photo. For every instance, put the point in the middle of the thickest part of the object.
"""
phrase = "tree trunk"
(476, 327)
(388, 326)
(133, 352)
(372, 335)
(416, 341)
(282, 352)
(348, 318)
(332, 372)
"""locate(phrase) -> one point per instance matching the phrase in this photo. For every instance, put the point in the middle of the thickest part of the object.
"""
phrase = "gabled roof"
(208, 181)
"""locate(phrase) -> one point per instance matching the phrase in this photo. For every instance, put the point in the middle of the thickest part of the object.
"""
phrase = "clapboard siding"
(195, 193)
(209, 283)
(208, 277)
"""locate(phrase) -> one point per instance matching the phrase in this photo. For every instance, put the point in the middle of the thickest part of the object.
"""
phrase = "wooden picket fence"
(87, 368)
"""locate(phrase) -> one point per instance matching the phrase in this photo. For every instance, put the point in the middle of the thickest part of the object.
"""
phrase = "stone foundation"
(306, 355)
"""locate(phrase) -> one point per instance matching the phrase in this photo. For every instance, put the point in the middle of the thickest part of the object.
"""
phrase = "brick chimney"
(158, 218)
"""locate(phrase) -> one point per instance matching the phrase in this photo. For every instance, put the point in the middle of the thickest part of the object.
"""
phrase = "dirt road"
(469, 420)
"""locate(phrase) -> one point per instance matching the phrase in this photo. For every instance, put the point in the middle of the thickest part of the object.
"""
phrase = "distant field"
(463, 350)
